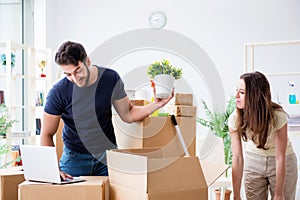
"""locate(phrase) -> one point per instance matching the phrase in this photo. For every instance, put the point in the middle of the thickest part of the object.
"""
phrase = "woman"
(270, 161)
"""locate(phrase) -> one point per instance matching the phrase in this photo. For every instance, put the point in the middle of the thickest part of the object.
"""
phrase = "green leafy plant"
(164, 67)
(4, 149)
(218, 123)
(5, 124)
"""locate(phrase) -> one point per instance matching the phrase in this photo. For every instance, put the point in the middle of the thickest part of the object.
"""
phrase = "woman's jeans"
(81, 164)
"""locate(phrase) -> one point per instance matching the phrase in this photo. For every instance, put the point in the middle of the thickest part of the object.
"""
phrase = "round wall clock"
(157, 19)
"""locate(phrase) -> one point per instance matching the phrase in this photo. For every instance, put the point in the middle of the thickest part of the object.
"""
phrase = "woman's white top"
(282, 119)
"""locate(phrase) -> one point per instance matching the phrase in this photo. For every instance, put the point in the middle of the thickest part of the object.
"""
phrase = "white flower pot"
(164, 84)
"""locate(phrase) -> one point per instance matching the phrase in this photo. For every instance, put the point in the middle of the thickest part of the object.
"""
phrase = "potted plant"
(5, 124)
(164, 75)
(3, 61)
(217, 122)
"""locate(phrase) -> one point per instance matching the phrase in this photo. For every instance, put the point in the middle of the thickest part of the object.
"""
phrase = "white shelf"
(292, 109)
(20, 85)
(249, 49)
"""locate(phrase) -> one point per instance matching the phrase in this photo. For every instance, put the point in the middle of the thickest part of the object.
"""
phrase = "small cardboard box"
(149, 175)
(10, 179)
(183, 99)
(139, 102)
(183, 111)
(94, 188)
(155, 132)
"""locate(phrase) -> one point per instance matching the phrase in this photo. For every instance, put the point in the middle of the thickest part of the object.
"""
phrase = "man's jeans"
(79, 164)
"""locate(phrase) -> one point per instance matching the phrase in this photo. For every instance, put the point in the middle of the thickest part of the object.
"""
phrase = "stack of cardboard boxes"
(150, 163)
(183, 106)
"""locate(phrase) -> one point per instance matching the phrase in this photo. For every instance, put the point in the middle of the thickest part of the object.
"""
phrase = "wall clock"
(157, 19)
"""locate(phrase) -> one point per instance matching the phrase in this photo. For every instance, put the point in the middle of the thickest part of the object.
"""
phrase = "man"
(83, 100)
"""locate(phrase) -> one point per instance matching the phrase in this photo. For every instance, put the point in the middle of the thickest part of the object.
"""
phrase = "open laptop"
(40, 164)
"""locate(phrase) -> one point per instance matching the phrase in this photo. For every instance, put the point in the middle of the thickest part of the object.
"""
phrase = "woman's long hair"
(257, 117)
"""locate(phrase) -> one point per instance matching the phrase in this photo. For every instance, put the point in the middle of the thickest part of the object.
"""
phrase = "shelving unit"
(249, 64)
(249, 50)
(20, 85)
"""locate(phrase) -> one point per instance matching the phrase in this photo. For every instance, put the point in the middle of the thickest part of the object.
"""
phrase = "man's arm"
(49, 127)
(130, 113)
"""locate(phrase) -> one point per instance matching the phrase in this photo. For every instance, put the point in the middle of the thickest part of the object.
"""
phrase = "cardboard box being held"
(10, 179)
(155, 132)
(148, 175)
(94, 188)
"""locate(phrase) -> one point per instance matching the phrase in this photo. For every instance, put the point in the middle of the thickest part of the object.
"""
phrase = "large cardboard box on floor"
(94, 188)
(155, 132)
(146, 174)
(10, 179)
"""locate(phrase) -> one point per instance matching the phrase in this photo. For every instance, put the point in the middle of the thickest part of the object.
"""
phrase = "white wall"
(11, 20)
(221, 28)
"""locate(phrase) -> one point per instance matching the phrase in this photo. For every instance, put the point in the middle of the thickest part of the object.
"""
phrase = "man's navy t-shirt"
(87, 112)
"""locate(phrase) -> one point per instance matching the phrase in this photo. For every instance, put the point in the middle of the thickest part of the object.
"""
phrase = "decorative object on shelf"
(157, 19)
(14, 158)
(39, 98)
(164, 75)
(3, 61)
(42, 66)
(292, 94)
(2, 97)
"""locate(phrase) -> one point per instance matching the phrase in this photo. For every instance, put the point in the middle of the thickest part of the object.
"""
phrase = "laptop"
(40, 164)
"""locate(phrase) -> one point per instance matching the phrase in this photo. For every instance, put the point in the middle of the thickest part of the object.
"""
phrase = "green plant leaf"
(164, 67)
(217, 122)
(5, 124)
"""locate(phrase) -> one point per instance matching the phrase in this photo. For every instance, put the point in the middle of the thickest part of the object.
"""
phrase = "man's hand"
(65, 176)
(162, 102)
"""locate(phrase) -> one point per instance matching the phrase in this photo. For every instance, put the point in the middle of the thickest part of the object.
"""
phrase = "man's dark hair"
(70, 53)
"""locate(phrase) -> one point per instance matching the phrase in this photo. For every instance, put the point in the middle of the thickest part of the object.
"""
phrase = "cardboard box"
(139, 102)
(149, 175)
(183, 111)
(184, 99)
(155, 132)
(10, 179)
(94, 188)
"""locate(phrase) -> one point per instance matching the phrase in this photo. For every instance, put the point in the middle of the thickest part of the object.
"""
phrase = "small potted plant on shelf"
(164, 75)
(3, 61)
(217, 122)
(5, 124)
